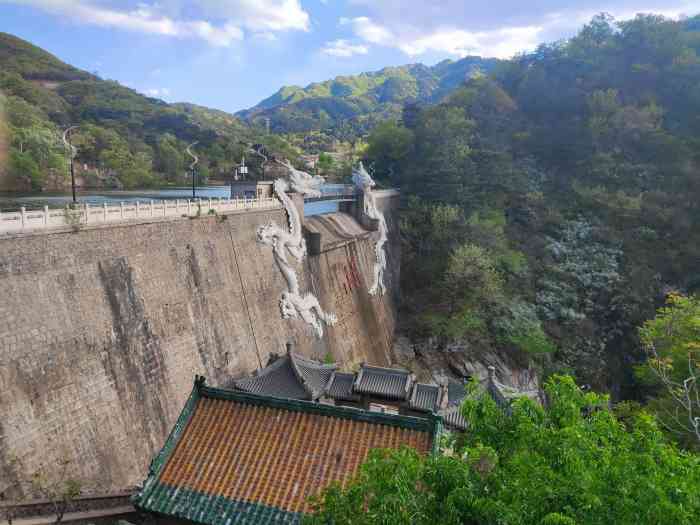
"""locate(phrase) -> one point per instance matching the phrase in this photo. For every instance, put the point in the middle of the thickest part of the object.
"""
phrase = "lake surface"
(33, 201)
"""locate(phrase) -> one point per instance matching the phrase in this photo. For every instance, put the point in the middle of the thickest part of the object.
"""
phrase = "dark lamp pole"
(72, 150)
(195, 160)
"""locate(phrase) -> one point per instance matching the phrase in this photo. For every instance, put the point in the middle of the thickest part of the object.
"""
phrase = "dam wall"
(103, 329)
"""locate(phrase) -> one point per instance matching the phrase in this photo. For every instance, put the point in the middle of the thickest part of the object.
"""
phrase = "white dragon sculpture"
(364, 182)
(293, 304)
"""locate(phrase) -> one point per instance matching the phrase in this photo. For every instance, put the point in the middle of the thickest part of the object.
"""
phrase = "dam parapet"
(25, 221)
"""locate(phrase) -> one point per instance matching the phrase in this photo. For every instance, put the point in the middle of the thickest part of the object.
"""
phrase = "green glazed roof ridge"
(159, 461)
(209, 509)
(298, 405)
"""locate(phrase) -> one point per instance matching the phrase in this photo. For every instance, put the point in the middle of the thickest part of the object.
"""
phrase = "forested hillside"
(348, 106)
(125, 139)
(555, 204)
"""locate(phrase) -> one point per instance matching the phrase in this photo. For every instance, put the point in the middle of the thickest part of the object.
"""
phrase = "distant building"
(309, 161)
(376, 389)
(240, 458)
(372, 388)
(251, 189)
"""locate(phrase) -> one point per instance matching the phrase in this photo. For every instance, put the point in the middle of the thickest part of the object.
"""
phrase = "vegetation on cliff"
(555, 203)
(574, 462)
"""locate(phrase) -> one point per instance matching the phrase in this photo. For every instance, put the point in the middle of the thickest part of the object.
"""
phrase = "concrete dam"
(103, 328)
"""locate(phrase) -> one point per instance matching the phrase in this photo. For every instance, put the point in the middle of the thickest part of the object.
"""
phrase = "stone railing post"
(189, 207)
(138, 209)
(23, 214)
(104, 211)
(121, 210)
(87, 212)
(46, 215)
(151, 208)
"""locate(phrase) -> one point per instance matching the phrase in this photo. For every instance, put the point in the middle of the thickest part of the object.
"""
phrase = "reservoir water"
(33, 201)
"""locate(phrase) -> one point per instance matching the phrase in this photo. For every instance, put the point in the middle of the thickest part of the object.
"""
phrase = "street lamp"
(194, 162)
(73, 153)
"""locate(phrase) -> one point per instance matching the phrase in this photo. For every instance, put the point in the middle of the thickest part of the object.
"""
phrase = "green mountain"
(357, 103)
(124, 138)
(553, 206)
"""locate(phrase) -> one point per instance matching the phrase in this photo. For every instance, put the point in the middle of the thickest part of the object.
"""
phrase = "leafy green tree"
(325, 163)
(672, 342)
(471, 277)
(24, 167)
(170, 161)
(387, 146)
(570, 462)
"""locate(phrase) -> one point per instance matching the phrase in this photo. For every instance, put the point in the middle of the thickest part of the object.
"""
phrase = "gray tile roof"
(392, 383)
(425, 397)
(453, 417)
(291, 376)
(314, 375)
(340, 387)
(277, 380)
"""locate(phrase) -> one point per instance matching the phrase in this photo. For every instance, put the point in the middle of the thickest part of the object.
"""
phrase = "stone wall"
(102, 331)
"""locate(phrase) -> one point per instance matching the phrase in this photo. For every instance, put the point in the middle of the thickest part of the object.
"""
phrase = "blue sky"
(230, 54)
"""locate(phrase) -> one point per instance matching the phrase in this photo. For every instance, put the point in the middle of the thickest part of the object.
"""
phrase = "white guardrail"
(87, 215)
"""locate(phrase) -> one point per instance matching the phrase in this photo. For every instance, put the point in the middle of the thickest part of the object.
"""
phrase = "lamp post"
(73, 153)
(194, 162)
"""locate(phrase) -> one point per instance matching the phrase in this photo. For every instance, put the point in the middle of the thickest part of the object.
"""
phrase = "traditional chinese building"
(237, 458)
(373, 388)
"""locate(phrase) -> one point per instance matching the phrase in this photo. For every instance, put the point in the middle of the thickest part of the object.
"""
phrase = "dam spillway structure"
(104, 322)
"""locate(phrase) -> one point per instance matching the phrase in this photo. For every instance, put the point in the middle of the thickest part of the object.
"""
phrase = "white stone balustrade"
(90, 215)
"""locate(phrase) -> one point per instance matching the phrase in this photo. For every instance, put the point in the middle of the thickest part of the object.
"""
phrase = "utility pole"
(73, 153)
(194, 162)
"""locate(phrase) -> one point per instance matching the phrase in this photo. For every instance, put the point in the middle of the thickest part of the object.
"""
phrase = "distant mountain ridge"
(361, 101)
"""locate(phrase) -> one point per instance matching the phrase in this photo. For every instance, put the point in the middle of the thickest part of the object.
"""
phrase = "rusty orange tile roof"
(240, 458)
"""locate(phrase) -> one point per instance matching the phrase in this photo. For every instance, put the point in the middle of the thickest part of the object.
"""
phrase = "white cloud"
(222, 22)
(343, 48)
(499, 28)
(157, 92)
(501, 43)
(368, 30)
(259, 15)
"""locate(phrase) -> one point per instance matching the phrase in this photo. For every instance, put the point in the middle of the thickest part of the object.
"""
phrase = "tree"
(570, 462)
(23, 167)
(471, 276)
(388, 144)
(672, 343)
(170, 160)
(325, 163)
